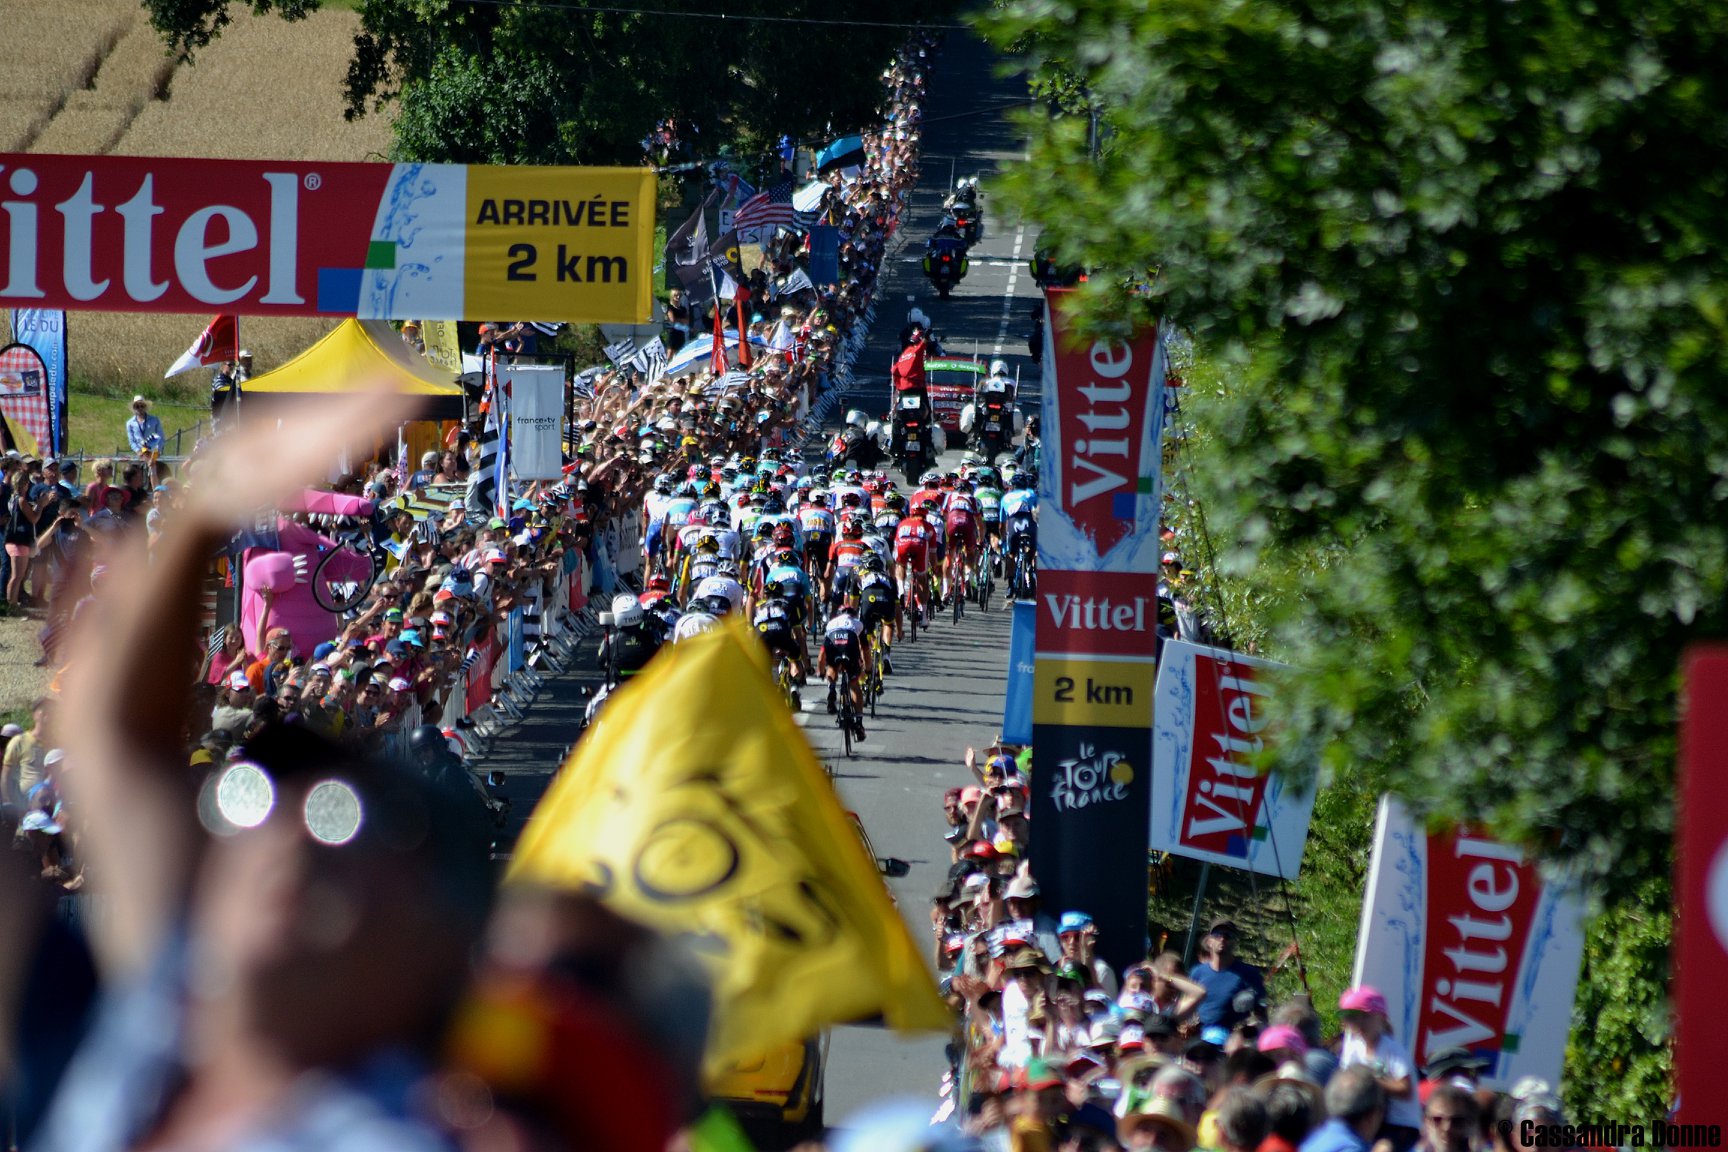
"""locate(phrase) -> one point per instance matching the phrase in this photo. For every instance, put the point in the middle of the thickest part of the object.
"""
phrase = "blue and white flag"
(44, 330)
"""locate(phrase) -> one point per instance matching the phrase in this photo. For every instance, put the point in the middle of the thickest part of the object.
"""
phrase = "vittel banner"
(1210, 800)
(1103, 429)
(1471, 946)
(378, 241)
(1096, 625)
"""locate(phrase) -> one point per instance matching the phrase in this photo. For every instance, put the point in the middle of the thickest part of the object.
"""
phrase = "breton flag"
(219, 344)
(620, 351)
(650, 360)
(716, 822)
(798, 282)
(769, 209)
(483, 481)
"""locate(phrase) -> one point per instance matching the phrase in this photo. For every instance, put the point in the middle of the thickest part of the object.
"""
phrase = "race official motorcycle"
(945, 259)
(913, 436)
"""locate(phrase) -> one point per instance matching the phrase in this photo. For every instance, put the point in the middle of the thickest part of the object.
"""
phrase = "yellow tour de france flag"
(714, 822)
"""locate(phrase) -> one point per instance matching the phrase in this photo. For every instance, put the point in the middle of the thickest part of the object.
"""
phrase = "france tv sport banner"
(536, 419)
(1208, 800)
(1095, 629)
(377, 241)
(1471, 947)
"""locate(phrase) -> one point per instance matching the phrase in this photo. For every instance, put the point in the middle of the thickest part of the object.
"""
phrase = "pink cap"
(1363, 998)
(971, 794)
(1281, 1036)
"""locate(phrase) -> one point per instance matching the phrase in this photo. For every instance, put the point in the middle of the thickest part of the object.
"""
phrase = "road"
(947, 689)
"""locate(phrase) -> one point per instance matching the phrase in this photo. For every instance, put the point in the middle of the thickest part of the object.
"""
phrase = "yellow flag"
(696, 806)
(442, 348)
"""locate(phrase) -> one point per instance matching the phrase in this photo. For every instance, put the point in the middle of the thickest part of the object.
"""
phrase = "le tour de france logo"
(1095, 776)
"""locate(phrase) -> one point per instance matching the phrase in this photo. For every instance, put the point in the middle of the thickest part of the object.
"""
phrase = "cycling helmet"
(894, 500)
(930, 479)
(949, 481)
(916, 316)
(839, 476)
(773, 505)
(728, 568)
(786, 557)
(870, 562)
(694, 623)
(626, 611)
(698, 518)
(819, 495)
(696, 472)
(804, 482)
(850, 500)
(659, 583)
(713, 605)
(707, 545)
(851, 528)
(710, 491)
(664, 483)
(783, 533)
(857, 419)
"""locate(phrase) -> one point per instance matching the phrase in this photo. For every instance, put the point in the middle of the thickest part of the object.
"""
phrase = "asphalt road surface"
(947, 689)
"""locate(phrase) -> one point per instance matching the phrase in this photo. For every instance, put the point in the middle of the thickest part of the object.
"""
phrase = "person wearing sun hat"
(1369, 1043)
(1158, 1123)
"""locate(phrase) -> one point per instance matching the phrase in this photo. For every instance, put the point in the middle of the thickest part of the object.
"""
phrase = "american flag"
(769, 208)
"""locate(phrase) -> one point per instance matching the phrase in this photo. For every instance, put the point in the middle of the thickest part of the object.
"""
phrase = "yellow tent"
(355, 352)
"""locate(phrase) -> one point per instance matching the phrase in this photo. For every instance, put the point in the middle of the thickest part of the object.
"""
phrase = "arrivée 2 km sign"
(377, 241)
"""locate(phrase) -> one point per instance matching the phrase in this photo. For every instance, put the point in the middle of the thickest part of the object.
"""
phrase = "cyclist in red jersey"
(961, 514)
(912, 540)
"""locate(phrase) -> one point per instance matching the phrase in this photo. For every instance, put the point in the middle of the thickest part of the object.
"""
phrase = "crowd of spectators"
(1057, 1049)
(290, 914)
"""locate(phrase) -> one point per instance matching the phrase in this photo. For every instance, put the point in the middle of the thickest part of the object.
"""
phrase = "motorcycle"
(968, 220)
(853, 444)
(945, 266)
(912, 439)
(992, 426)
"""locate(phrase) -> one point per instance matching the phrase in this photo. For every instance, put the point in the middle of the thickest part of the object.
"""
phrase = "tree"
(517, 83)
(1460, 267)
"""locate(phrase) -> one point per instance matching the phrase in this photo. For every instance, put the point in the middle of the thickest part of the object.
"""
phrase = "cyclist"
(912, 540)
(723, 586)
(654, 515)
(877, 609)
(844, 645)
(774, 625)
(987, 489)
(960, 514)
(1020, 526)
(818, 525)
(704, 562)
(843, 555)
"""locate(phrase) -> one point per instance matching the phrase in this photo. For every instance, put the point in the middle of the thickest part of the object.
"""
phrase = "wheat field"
(98, 80)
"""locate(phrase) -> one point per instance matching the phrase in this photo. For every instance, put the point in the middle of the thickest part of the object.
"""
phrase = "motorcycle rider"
(997, 388)
(950, 244)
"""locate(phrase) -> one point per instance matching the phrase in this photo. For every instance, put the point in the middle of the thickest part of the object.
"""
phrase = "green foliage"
(188, 25)
(1620, 1042)
(516, 84)
(1460, 269)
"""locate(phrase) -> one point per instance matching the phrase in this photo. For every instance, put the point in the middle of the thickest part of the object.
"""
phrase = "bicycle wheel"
(343, 577)
(984, 586)
(957, 593)
(847, 719)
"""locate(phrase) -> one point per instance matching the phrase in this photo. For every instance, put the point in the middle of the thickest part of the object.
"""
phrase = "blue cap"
(1215, 1034)
(323, 650)
(411, 636)
(1074, 922)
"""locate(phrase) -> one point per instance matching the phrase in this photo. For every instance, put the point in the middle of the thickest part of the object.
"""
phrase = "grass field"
(98, 80)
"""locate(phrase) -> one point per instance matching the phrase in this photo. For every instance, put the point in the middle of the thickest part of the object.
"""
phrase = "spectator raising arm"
(142, 828)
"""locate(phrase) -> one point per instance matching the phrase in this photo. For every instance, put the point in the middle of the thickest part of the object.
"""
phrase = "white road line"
(1008, 292)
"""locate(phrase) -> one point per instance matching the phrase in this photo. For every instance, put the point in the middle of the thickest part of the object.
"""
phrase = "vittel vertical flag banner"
(1095, 631)
(377, 241)
(1471, 948)
(1209, 801)
(1700, 955)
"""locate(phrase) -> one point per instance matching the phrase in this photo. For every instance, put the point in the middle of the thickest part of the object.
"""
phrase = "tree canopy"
(1457, 269)
(526, 83)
